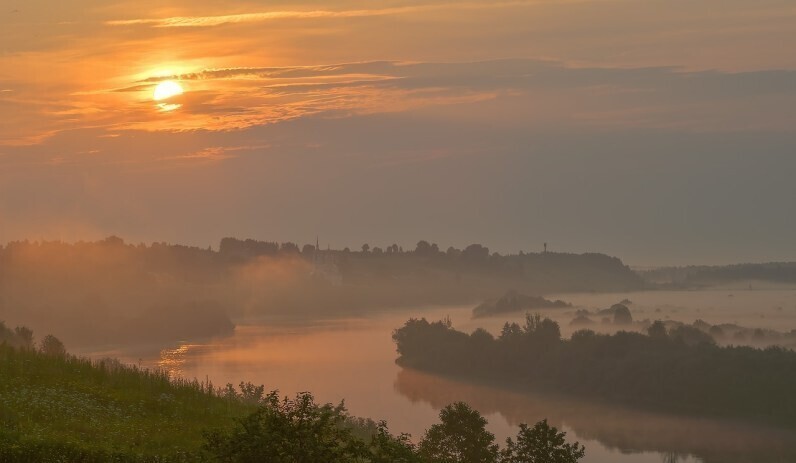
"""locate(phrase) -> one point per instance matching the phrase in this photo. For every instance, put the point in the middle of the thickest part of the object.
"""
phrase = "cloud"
(556, 94)
(515, 92)
(508, 74)
(209, 21)
(215, 153)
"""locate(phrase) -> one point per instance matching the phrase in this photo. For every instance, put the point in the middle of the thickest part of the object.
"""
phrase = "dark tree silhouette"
(25, 337)
(288, 431)
(423, 248)
(475, 252)
(621, 314)
(385, 448)
(541, 444)
(461, 437)
(628, 368)
(289, 248)
(52, 346)
(657, 330)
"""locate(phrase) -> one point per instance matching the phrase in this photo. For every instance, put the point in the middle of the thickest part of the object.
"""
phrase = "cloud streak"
(217, 20)
(554, 95)
(611, 97)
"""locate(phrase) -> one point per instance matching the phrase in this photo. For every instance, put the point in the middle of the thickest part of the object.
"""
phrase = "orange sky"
(82, 137)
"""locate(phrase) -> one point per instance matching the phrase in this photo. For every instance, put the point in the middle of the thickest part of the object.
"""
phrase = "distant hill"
(700, 276)
(112, 292)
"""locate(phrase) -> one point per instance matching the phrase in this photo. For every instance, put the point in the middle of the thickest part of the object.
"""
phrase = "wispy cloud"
(556, 95)
(215, 153)
(208, 21)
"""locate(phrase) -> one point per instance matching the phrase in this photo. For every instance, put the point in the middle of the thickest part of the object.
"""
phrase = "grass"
(64, 408)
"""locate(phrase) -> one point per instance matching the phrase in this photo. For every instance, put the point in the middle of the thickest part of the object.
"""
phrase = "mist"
(516, 231)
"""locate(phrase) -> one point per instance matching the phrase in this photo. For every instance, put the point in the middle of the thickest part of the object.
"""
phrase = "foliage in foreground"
(55, 407)
(301, 431)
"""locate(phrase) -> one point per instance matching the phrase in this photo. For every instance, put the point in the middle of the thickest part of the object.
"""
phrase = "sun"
(167, 89)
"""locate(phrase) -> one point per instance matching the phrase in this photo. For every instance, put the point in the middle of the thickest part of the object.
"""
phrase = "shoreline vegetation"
(680, 371)
(56, 407)
(513, 301)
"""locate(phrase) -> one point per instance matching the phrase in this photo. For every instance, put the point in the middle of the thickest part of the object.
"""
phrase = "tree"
(657, 330)
(423, 248)
(691, 336)
(289, 248)
(289, 431)
(384, 448)
(475, 252)
(52, 346)
(250, 393)
(541, 328)
(622, 314)
(510, 331)
(482, 337)
(541, 444)
(365, 248)
(461, 437)
(24, 336)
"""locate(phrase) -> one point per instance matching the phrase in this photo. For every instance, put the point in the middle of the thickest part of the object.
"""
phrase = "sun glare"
(167, 89)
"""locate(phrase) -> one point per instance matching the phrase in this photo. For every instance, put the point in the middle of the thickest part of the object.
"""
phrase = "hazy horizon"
(538, 213)
(660, 133)
(408, 247)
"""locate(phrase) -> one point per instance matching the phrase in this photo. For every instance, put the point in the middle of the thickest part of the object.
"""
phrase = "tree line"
(678, 371)
(155, 293)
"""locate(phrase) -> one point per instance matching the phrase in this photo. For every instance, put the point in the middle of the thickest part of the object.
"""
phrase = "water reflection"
(354, 360)
(617, 428)
(179, 362)
(173, 360)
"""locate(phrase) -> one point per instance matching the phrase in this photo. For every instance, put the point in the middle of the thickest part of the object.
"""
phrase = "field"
(71, 409)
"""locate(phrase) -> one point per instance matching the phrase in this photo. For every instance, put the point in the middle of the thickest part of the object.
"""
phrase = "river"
(354, 360)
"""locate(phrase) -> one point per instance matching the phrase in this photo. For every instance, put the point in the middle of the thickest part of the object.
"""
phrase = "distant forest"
(706, 276)
(113, 292)
(675, 371)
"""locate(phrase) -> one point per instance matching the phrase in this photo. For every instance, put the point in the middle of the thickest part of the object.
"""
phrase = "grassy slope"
(101, 411)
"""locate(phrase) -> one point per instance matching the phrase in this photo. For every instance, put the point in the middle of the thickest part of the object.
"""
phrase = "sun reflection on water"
(173, 360)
